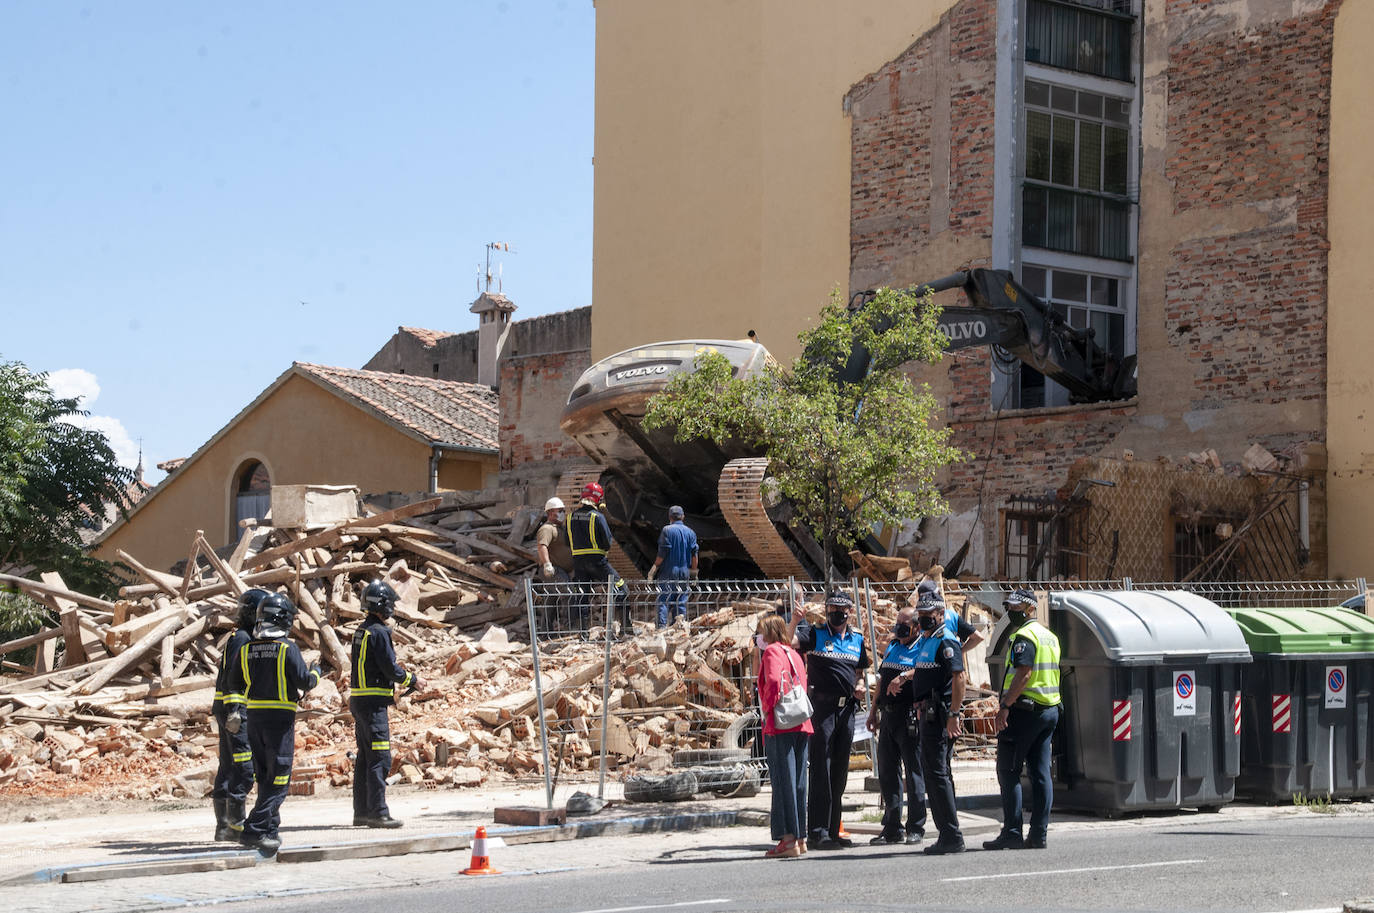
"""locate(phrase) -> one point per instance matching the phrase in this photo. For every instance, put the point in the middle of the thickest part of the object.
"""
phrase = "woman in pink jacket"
(780, 668)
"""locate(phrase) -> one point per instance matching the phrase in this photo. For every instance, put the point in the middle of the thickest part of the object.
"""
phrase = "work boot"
(222, 829)
(1007, 840)
(234, 813)
(267, 844)
(361, 820)
(385, 821)
(943, 847)
(887, 839)
(1035, 842)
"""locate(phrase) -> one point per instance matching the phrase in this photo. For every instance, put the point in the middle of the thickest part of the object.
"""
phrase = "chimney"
(493, 327)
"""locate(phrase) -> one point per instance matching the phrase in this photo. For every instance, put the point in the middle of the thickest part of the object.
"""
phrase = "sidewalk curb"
(215, 860)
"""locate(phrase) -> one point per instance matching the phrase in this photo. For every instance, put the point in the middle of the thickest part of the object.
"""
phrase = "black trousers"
(899, 772)
(372, 764)
(828, 749)
(935, 751)
(272, 737)
(591, 600)
(234, 777)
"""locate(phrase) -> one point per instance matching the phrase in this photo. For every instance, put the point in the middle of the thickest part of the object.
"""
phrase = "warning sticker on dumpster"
(1185, 694)
(1335, 686)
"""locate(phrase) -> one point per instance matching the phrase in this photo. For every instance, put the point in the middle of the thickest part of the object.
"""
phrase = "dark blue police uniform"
(271, 675)
(899, 763)
(375, 672)
(833, 664)
(938, 658)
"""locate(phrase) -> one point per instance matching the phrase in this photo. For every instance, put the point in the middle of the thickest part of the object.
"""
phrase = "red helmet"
(593, 492)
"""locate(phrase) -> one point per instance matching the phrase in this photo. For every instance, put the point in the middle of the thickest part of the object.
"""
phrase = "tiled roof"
(427, 337)
(440, 411)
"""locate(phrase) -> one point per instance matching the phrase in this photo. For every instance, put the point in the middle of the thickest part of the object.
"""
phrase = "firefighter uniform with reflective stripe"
(589, 537)
(1027, 740)
(375, 673)
(270, 677)
(234, 777)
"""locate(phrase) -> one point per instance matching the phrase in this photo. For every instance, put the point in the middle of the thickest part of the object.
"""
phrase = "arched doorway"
(252, 494)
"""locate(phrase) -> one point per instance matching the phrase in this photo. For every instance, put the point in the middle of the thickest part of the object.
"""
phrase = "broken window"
(1197, 538)
(1043, 538)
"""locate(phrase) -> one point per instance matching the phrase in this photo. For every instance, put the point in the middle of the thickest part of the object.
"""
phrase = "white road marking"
(1316, 910)
(661, 906)
(1095, 868)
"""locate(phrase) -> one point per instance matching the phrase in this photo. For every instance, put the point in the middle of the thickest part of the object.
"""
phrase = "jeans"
(1026, 742)
(786, 752)
(899, 773)
(830, 744)
(672, 592)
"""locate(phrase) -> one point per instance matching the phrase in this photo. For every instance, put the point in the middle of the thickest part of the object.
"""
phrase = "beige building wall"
(1350, 330)
(303, 435)
(722, 161)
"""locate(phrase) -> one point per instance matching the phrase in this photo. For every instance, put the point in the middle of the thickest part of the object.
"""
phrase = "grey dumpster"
(1151, 688)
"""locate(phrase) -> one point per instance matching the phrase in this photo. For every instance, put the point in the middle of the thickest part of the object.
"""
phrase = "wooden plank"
(44, 589)
(165, 583)
(250, 529)
(20, 643)
(335, 652)
(190, 575)
(136, 653)
(450, 560)
(70, 615)
(236, 586)
(324, 536)
(167, 661)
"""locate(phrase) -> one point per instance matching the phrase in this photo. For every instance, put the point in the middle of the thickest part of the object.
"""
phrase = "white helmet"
(554, 504)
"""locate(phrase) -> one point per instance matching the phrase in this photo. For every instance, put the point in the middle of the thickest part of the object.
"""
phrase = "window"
(1042, 538)
(252, 495)
(1196, 538)
(1085, 299)
(1077, 164)
(1072, 36)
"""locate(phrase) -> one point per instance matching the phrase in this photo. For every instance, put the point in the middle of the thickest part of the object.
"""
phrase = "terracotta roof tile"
(441, 411)
(428, 337)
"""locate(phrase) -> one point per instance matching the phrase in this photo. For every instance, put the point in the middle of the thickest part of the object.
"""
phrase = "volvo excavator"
(741, 533)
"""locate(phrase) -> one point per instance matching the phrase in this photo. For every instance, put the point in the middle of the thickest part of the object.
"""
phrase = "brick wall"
(534, 390)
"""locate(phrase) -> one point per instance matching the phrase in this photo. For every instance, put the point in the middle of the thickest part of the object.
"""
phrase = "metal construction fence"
(631, 705)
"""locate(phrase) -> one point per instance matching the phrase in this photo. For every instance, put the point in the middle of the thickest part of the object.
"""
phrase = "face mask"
(836, 619)
(758, 641)
(901, 630)
(1015, 616)
(928, 622)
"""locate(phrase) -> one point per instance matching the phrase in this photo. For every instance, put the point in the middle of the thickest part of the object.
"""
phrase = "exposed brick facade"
(1232, 296)
(534, 390)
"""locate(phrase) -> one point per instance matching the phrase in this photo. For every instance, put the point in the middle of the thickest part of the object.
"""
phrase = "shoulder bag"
(793, 707)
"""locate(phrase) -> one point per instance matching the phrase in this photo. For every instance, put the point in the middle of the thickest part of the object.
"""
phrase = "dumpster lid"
(1309, 631)
(1138, 627)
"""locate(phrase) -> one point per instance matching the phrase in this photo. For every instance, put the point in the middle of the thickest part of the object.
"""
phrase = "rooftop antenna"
(491, 246)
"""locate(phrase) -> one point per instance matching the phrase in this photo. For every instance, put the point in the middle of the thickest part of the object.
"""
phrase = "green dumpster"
(1306, 727)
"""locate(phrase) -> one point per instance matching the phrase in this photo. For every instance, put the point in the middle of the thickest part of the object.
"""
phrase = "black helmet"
(276, 612)
(379, 599)
(248, 607)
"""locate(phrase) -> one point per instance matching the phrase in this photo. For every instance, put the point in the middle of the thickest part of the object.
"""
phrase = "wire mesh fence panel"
(632, 705)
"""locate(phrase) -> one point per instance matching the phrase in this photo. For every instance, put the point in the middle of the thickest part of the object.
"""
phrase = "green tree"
(849, 452)
(56, 479)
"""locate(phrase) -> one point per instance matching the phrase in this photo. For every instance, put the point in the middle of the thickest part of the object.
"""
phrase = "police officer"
(677, 549)
(967, 635)
(589, 536)
(1026, 723)
(937, 687)
(271, 675)
(375, 672)
(835, 660)
(891, 717)
(555, 558)
(234, 777)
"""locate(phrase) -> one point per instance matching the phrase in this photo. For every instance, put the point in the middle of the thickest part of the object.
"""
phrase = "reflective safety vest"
(1043, 687)
(271, 675)
(588, 533)
(375, 670)
(223, 696)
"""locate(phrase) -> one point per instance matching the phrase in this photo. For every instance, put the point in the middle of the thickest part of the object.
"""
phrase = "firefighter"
(234, 776)
(555, 559)
(270, 676)
(967, 635)
(589, 536)
(835, 660)
(1025, 724)
(374, 673)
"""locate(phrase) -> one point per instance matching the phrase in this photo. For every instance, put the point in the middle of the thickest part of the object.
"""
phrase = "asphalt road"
(1299, 861)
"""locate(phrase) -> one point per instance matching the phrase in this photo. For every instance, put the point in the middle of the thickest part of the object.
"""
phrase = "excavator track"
(570, 490)
(741, 501)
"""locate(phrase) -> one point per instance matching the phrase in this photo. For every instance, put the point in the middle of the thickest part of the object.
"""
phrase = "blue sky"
(199, 193)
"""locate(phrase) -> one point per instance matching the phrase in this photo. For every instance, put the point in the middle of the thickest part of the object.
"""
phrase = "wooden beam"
(165, 583)
(236, 586)
(250, 529)
(44, 589)
(290, 548)
(20, 643)
(271, 575)
(461, 565)
(191, 565)
(136, 653)
(338, 657)
(70, 615)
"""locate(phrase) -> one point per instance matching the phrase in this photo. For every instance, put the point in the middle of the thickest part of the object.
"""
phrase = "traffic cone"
(842, 832)
(481, 862)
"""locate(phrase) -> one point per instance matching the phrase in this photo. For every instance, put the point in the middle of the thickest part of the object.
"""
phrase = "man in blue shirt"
(677, 557)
